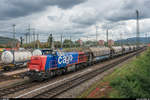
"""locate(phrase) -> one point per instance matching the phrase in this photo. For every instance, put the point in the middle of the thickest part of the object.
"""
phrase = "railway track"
(12, 77)
(55, 91)
(10, 70)
(10, 90)
(64, 86)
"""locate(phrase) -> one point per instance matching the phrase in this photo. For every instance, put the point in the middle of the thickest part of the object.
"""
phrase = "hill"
(6, 40)
(133, 40)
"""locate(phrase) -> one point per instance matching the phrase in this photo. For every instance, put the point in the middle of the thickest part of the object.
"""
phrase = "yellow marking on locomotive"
(11, 65)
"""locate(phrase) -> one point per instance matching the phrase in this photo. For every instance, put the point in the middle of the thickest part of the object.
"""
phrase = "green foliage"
(67, 43)
(77, 44)
(49, 41)
(91, 43)
(57, 44)
(134, 81)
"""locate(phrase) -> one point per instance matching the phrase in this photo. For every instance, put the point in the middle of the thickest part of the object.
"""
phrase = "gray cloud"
(56, 17)
(113, 25)
(86, 18)
(127, 10)
(71, 16)
(19, 8)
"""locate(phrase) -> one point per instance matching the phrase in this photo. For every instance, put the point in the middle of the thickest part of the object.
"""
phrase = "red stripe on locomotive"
(82, 57)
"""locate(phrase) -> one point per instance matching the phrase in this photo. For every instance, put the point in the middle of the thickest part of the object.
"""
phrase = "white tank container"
(117, 49)
(126, 48)
(36, 52)
(100, 51)
(19, 56)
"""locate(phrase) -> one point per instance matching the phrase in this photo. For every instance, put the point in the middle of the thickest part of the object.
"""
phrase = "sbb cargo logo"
(65, 59)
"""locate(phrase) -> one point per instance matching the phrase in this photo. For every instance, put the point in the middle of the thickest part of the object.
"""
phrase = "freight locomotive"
(59, 62)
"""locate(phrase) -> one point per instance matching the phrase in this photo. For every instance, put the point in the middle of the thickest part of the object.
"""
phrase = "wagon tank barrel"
(8, 57)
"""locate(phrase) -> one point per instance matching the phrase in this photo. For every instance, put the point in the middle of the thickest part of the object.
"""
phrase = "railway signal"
(21, 40)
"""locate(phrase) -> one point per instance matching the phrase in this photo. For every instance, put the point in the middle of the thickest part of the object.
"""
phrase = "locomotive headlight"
(28, 69)
(36, 70)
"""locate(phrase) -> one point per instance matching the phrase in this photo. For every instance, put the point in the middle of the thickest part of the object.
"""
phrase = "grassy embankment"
(132, 80)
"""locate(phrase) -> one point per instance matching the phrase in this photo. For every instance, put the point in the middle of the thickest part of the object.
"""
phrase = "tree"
(77, 44)
(37, 45)
(50, 40)
(57, 44)
(67, 43)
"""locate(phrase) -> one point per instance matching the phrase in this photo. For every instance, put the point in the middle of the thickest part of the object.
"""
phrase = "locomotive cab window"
(47, 52)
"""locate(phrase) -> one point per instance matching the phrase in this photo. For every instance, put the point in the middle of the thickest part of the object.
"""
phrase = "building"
(80, 42)
(110, 42)
(101, 42)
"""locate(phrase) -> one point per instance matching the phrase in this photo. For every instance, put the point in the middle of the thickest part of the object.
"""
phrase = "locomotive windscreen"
(46, 52)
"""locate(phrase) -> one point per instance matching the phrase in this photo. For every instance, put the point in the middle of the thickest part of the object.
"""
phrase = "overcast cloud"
(76, 18)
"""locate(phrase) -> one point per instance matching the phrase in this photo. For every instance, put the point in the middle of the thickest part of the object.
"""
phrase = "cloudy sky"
(75, 18)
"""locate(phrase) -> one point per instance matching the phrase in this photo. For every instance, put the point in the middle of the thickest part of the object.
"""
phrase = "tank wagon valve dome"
(37, 52)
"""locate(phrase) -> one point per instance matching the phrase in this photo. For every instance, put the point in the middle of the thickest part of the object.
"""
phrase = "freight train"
(59, 62)
(15, 58)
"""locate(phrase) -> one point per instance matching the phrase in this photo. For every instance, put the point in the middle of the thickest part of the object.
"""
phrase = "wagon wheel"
(6, 68)
(76, 67)
(64, 71)
(40, 79)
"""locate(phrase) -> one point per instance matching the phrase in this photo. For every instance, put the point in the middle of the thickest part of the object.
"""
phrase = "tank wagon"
(134, 47)
(131, 48)
(125, 49)
(59, 62)
(116, 51)
(99, 53)
(13, 59)
(141, 46)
